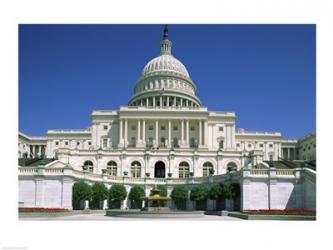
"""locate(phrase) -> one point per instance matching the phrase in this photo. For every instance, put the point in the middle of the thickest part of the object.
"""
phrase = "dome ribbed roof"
(165, 63)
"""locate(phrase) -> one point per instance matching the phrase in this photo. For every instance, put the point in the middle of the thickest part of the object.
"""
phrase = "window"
(56, 143)
(162, 127)
(111, 168)
(175, 127)
(105, 127)
(192, 128)
(162, 140)
(136, 169)
(89, 165)
(150, 127)
(78, 143)
(271, 145)
(221, 144)
(271, 157)
(193, 143)
(89, 143)
(133, 127)
(249, 145)
(231, 166)
(184, 170)
(105, 143)
(221, 129)
(66, 143)
(207, 168)
(175, 142)
(261, 145)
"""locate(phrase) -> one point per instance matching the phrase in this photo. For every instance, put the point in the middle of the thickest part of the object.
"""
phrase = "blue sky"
(264, 73)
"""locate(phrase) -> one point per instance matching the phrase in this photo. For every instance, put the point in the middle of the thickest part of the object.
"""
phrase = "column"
(121, 140)
(153, 101)
(156, 132)
(200, 133)
(288, 154)
(138, 139)
(182, 133)
(294, 153)
(161, 101)
(168, 101)
(181, 102)
(144, 131)
(126, 139)
(147, 103)
(174, 101)
(188, 132)
(169, 133)
(206, 133)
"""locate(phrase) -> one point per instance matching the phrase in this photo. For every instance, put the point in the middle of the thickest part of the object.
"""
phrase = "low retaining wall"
(271, 217)
(136, 213)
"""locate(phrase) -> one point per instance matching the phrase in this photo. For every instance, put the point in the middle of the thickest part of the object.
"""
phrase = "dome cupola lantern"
(166, 44)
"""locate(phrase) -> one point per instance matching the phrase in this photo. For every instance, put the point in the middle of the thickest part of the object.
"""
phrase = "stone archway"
(159, 170)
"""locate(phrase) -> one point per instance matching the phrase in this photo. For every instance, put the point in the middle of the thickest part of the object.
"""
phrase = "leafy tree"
(163, 190)
(117, 194)
(99, 193)
(215, 192)
(81, 192)
(199, 193)
(229, 191)
(135, 195)
(179, 193)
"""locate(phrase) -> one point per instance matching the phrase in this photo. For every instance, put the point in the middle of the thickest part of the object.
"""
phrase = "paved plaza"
(102, 217)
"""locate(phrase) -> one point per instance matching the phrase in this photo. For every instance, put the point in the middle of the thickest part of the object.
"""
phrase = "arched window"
(231, 166)
(136, 169)
(184, 169)
(207, 168)
(89, 165)
(112, 168)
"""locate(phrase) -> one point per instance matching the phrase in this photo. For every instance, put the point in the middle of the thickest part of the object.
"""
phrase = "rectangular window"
(271, 157)
(133, 127)
(56, 143)
(175, 127)
(78, 143)
(105, 127)
(162, 127)
(221, 129)
(237, 145)
(192, 128)
(220, 144)
(271, 145)
(150, 127)
(89, 143)
(105, 143)
(66, 143)
(261, 145)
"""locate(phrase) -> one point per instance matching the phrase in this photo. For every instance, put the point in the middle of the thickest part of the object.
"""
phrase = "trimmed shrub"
(117, 194)
(199, 193)
(163, 190)
(81, 192)
(179, 194)
(215, 192)
(136, 193)
(229, 191)
(99, 194)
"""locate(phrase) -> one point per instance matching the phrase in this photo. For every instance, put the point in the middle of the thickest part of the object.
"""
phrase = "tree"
(136, 193)
(163, 190)
(215, 192)
(117, 194)
(199, 193)
(229, 191)
(81, 192)
(179, 194)
(99, 194)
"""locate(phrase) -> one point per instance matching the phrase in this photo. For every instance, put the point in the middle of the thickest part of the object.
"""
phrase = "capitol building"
(166, 136)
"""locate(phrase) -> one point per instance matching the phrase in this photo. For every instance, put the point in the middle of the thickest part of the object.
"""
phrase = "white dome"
(166, 63)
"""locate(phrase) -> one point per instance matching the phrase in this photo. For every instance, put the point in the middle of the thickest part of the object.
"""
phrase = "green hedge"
(81, 192)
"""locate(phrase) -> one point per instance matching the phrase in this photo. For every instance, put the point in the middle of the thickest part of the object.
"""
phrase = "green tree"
(163, 190)
(215, 192)
(229, 191)
(199, 193)
(99, 194)
(179, 194)
(136, 193)
(81, 192)
(117, 194)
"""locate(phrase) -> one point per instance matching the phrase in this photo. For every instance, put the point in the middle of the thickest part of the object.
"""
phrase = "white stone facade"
(164, 132)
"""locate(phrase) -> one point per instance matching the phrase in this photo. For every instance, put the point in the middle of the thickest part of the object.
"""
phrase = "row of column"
(182, 102)
(141, 137)
(289, 153)
(37, 150)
